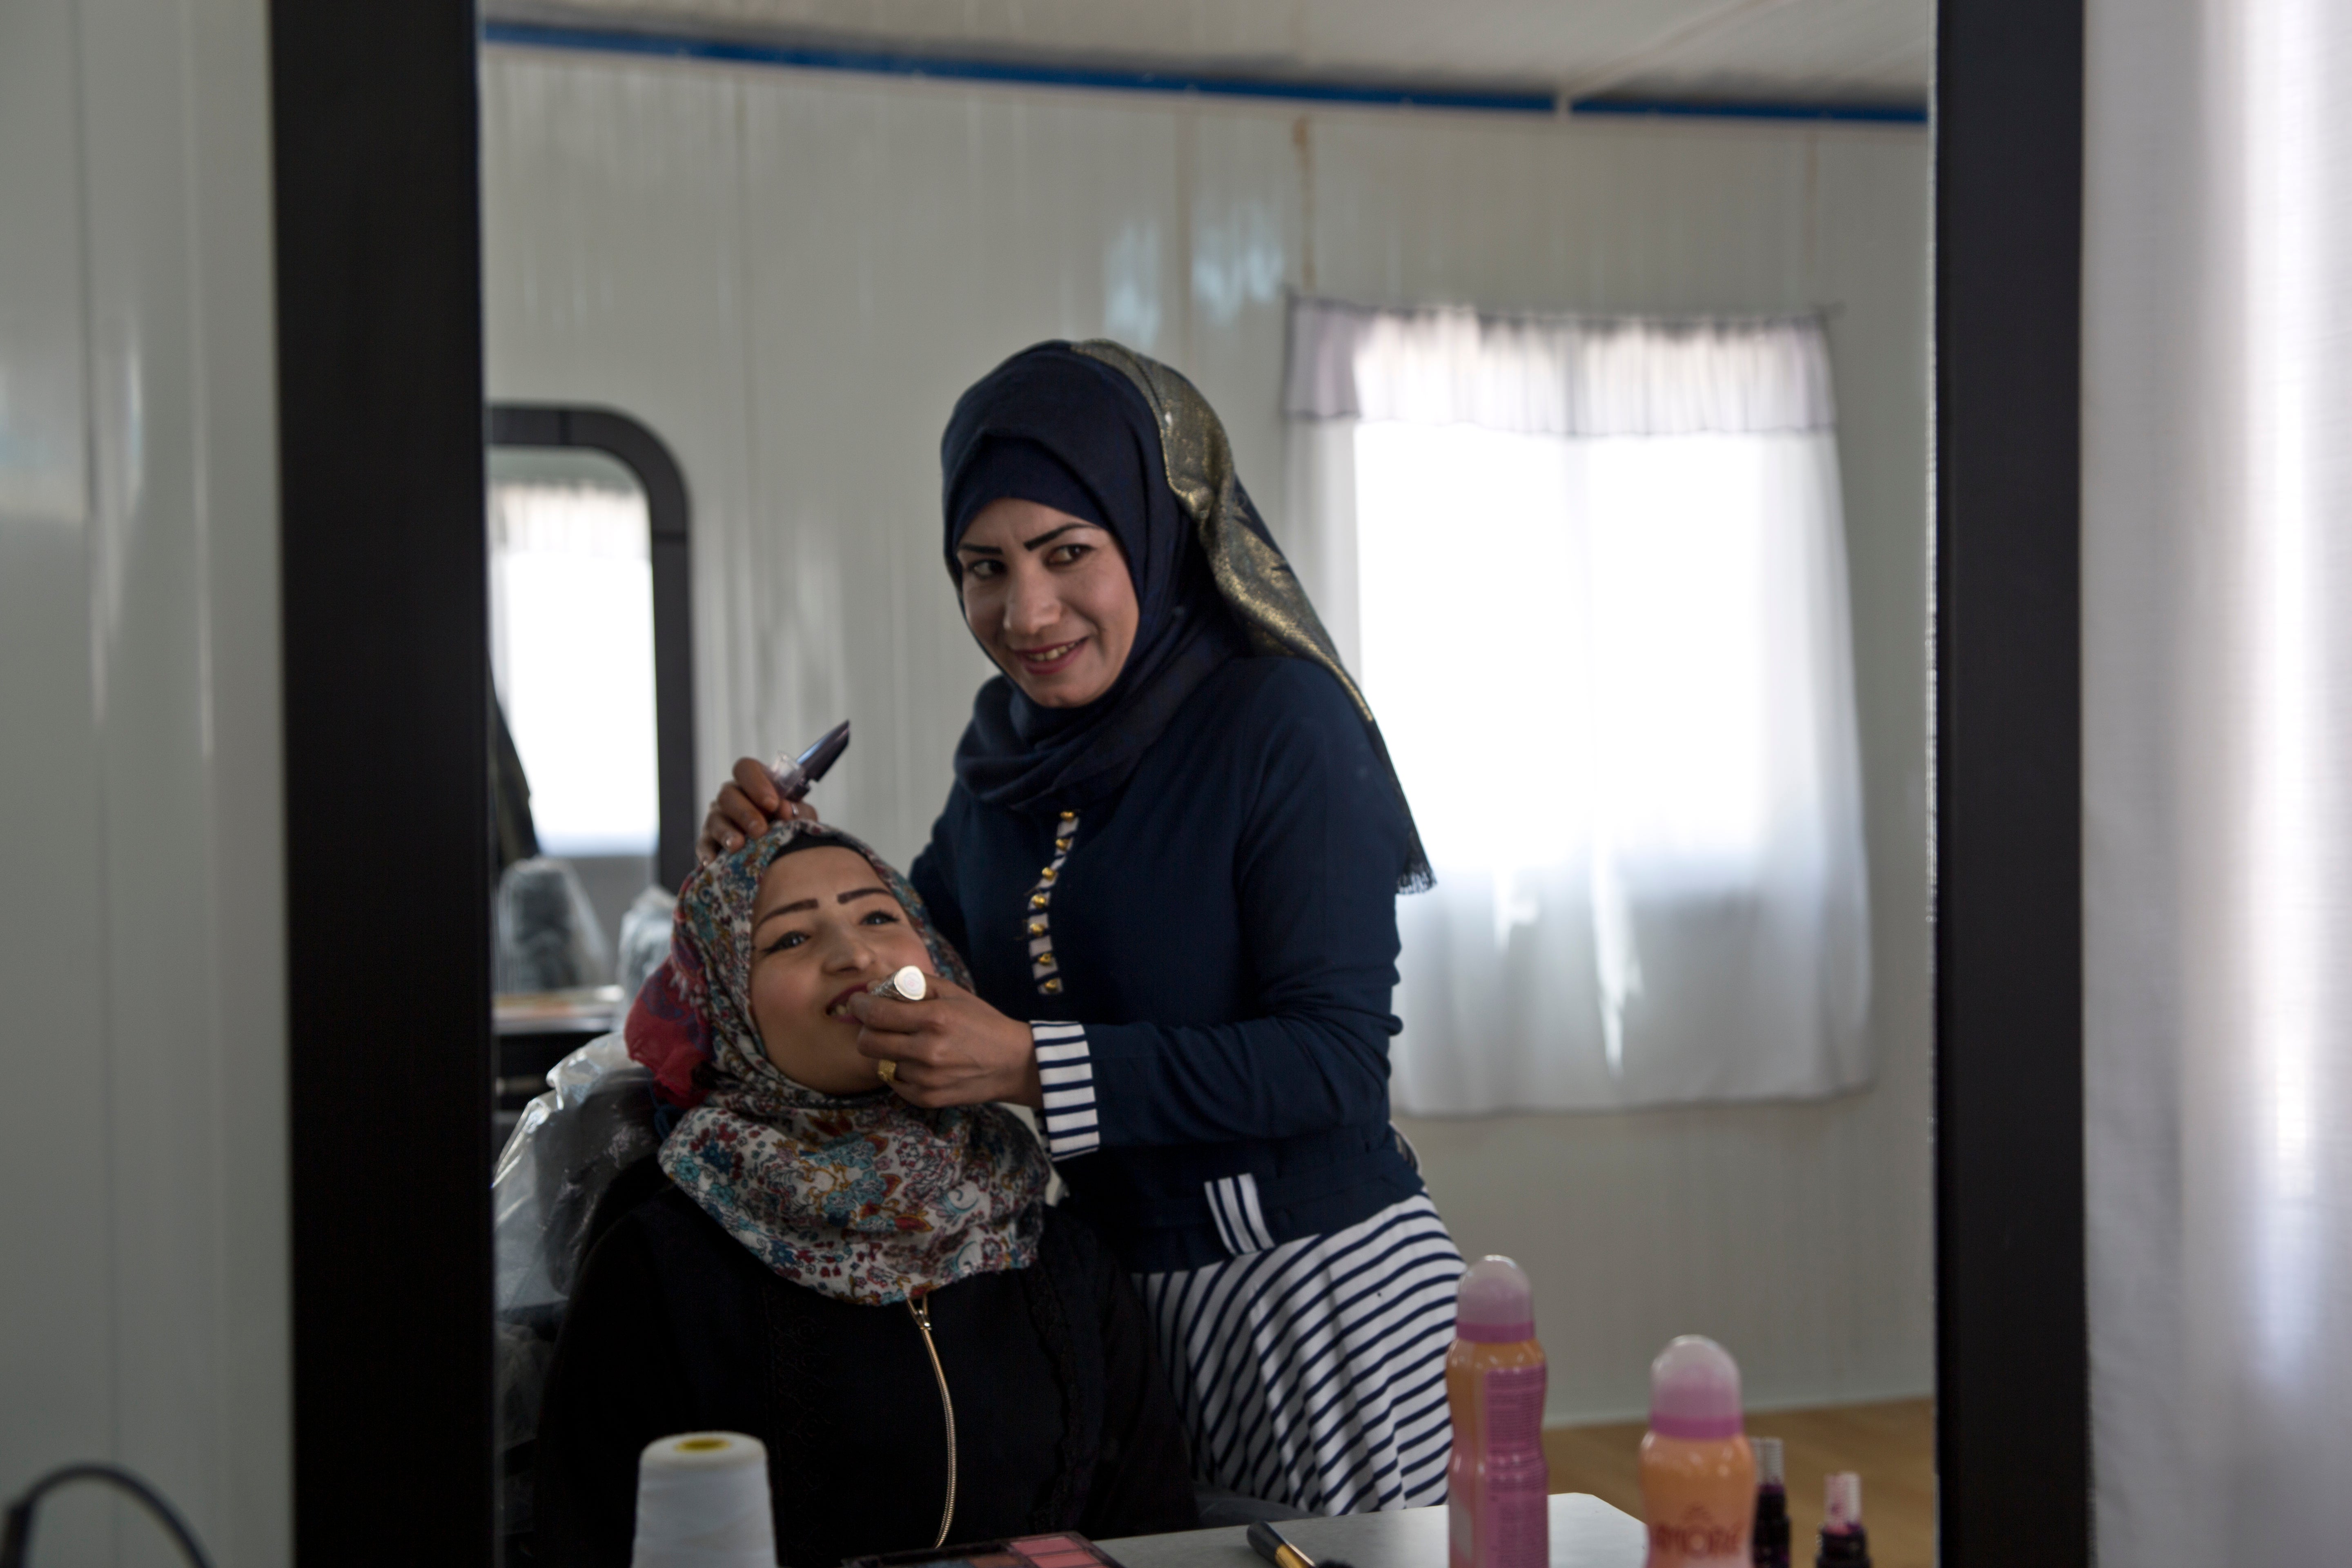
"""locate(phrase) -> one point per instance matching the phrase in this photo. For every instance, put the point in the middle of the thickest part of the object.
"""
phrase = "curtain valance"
(1560, 375)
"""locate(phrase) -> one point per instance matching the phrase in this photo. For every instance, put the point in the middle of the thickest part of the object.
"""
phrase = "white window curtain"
(1592, 572)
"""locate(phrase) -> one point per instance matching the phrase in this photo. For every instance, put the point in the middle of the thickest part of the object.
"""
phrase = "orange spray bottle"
(1497, 1513)
(1698, 1477)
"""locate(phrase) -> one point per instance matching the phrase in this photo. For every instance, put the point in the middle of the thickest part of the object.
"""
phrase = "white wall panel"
(892, 240)
(142, 949)
(57, 1379)
(1247, 206)
(2217, 736)
(612, 274)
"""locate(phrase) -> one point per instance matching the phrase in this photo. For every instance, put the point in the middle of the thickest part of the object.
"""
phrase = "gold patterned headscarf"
(1253, 576)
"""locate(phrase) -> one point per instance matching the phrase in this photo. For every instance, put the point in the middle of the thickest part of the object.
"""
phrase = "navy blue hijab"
(1056, 427)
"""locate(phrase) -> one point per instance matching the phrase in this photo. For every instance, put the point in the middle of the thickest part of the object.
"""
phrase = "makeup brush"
(1271, 1544)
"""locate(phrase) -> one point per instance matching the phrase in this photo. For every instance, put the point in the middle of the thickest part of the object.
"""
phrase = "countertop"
(1585, 1533)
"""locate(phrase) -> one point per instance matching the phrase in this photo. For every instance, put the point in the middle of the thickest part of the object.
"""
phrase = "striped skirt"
(1313, 1373)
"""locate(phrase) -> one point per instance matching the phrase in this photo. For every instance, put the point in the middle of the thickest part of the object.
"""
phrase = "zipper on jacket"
(921, 1308)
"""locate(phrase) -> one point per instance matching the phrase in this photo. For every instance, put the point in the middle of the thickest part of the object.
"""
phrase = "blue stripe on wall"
(1023, 73)
(876, 62)
(1867, 113)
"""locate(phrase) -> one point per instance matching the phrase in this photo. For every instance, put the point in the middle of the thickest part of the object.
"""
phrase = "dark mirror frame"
(2012, 1361)
(669, 514)
(385, 651)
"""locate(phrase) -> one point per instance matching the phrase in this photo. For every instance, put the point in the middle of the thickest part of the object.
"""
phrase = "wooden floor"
(1893, 1445)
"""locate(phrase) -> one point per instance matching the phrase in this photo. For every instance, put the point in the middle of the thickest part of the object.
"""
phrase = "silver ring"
(909, 984)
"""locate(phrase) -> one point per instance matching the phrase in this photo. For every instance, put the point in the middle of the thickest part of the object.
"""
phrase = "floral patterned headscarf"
(861, 1196)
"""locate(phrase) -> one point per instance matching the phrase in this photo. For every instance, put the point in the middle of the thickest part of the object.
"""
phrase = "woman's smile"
(1046, 660)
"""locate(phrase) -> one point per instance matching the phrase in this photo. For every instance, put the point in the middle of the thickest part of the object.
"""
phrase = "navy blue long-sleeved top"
(1206, 959)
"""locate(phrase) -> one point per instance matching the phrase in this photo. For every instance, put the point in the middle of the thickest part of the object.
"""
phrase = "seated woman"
(829, 1267)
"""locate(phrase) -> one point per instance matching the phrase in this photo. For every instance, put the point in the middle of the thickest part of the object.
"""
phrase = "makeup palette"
(1065, 1550)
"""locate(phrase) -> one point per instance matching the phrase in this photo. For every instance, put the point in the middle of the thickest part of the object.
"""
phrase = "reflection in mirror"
(572, 651)
(571, 660)
(1599, 444)
(578, 548)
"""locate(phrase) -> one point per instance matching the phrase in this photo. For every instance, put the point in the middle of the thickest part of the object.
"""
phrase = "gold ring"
(888, 1071)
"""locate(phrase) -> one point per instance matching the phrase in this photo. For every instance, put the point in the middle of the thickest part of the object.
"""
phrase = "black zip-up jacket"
(1063, 1420)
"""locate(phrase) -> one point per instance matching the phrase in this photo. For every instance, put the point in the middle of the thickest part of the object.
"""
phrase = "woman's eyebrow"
(1037, 543)
(800, 904)
(1050, 535)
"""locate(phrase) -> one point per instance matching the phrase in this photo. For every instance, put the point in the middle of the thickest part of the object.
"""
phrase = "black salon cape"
(1063, 1420)
(1226, 930)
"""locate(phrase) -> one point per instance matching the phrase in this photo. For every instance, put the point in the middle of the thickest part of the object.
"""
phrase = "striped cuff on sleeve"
(1068, 1075)
(1241, 1223)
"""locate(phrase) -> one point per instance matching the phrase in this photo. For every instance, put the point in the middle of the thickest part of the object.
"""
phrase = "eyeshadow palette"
(1068, 1550)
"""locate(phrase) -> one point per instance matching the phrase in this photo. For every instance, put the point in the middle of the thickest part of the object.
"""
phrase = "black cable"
(16, 1540)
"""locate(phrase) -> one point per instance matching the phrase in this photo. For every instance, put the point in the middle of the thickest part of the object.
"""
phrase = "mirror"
(571, 662)
(1667, 1014)
(593, 723)
(587, 529)
(572, 656)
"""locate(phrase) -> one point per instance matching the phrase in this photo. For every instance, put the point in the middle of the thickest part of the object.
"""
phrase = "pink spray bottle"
(1498, 1481)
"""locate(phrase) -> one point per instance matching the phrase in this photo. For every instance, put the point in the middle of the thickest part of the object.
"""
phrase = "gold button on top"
(1052, 988)
(1069, 817)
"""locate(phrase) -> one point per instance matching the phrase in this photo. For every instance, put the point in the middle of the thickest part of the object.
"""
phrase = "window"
(591, 661)
(571, 646)
(1599, 605)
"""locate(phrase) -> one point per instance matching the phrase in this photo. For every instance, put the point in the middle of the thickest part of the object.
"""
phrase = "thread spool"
(702, 1502)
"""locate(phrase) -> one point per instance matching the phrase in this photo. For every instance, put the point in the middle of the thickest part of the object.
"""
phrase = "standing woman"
(1172, 856)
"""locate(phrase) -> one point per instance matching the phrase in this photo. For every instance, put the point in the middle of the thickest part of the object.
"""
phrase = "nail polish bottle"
(1844, 1543)
(1768, 1545)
